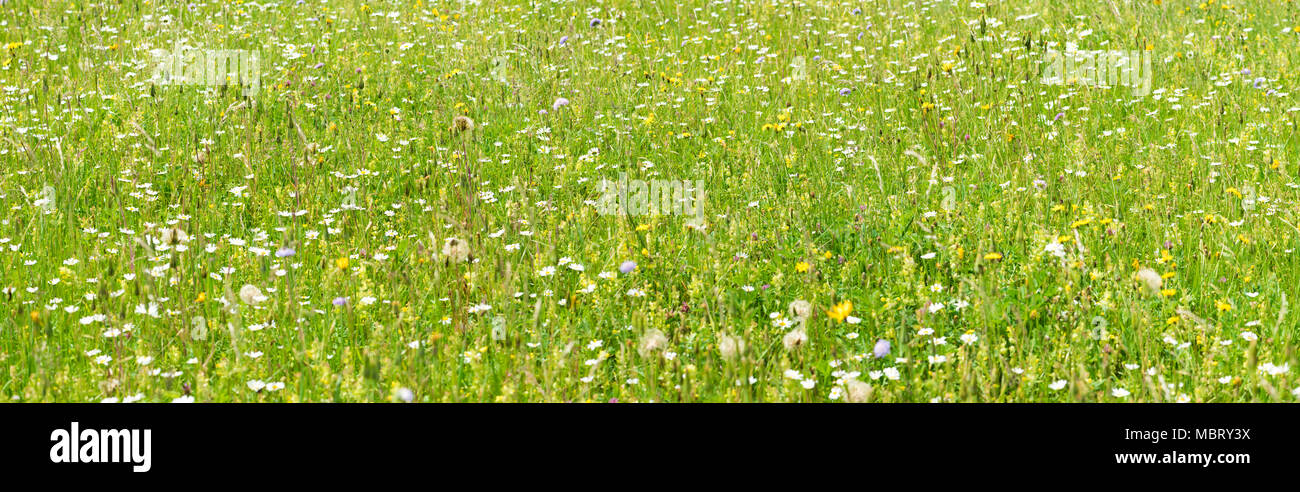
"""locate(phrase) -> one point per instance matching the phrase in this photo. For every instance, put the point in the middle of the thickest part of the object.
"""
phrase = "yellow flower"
(840, 311)
(1222, 306)
(993, 256)
(341, 263)
(801, 267)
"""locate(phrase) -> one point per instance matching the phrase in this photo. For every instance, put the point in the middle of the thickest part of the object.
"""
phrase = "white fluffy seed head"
(251, 295)
(858, 391)
(652, 341)
(1150, 279)
(800, 310)
(174, 235)
(455, 250)
(730, 347)
(795, 339)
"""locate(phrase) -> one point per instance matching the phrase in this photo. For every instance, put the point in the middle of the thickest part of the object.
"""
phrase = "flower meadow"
(885, 201)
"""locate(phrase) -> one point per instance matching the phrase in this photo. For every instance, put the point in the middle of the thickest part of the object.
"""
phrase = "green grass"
(939, 179)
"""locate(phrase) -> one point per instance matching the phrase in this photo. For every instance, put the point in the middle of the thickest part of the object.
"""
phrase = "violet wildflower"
(881, 349)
